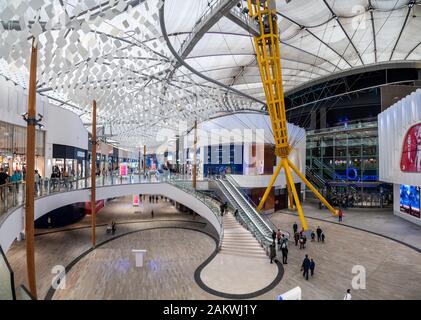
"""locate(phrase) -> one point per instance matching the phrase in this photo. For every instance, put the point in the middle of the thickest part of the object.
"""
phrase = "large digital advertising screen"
(410, 200)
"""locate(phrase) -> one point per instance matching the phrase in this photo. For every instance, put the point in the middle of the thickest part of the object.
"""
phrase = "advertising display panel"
(410, 200)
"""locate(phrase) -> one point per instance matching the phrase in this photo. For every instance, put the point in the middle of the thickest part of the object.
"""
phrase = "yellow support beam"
(269, 61)
(308, 184)
(269, 187)
(295, 194)
(290, 197)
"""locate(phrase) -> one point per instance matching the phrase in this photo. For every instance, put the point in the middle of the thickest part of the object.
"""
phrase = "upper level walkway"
(54, 194)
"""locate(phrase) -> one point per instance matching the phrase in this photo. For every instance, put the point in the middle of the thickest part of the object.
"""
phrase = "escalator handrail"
(245, 211)
(253, 210)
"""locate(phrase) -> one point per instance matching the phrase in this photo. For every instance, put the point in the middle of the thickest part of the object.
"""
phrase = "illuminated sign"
(135, 200)
(411, 150)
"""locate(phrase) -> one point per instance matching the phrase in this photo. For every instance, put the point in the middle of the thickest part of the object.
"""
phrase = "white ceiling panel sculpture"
(114, 51)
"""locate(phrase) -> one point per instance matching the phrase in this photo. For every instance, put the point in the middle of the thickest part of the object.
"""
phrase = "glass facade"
(13, 148)
(344, 154)
(345, 159)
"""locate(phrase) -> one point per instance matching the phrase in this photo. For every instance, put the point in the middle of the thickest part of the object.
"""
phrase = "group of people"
(15, 180)
(308, 265)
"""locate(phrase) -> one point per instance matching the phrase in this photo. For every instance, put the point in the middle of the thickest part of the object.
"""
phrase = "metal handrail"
(242, 196)
(234, 183)
(251, 219)
(208, 203)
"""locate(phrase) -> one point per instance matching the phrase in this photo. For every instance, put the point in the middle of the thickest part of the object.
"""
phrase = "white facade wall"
(62, 126)
(66, 128)
(393, 125)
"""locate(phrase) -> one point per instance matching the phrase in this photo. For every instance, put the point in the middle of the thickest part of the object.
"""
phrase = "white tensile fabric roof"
(114, 51)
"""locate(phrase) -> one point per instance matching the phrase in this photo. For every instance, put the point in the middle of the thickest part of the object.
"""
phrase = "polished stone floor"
(376, 220)
(242, 266)
(393, 271)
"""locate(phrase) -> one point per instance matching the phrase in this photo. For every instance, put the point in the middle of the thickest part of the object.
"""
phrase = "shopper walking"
(313, 236)
(319, 233)
(284, 249)
(312, 266)
(15, 179)
(295, 227)
(272, 252)
(296, 238)
(301, 242)
(3, 180)
(348, 295)
(305, 267)
(340, 215)
(37, 181)
(323, 237)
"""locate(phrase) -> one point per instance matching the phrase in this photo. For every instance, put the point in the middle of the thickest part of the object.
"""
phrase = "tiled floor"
(242, 266)
(381, 221)
(392, 269)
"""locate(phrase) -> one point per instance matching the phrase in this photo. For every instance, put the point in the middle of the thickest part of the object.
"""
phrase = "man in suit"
(305, 267)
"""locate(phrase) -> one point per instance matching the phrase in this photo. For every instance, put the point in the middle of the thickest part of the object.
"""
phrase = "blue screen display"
(410, 200)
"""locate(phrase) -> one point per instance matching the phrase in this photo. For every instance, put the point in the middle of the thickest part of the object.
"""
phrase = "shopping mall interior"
(210, 150)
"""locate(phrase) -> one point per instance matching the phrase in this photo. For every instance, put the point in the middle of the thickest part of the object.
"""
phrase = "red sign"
(411, 151)
(99, 205)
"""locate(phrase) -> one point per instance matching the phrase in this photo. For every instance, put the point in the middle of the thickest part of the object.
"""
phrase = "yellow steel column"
(308, 184)
(30, 173)
(294, 192)
(290, 196)
(269, 187)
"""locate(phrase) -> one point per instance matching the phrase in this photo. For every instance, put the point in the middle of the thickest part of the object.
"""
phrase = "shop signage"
(411, 150)
(80, 154)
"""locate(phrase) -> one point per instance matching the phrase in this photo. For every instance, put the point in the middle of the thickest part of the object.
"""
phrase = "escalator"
(247, 214)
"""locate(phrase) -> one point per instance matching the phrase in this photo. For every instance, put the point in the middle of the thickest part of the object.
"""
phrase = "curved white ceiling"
(114, 52)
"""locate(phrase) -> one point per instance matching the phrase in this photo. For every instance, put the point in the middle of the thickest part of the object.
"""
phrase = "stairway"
(246, 213)
(239, 241)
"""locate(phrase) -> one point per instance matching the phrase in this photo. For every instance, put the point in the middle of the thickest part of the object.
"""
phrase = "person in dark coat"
(113, 227)
(272, 252)
(305, 267)
(313, 236)
(323, 237)
(273, 235)
(340, 215)
(284, 249)
(296, 238)
(295, 227)
(312, 266)
(319, 233)
(152, 213)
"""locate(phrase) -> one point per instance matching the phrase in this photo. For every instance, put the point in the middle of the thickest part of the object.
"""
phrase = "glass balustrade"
(13, 194)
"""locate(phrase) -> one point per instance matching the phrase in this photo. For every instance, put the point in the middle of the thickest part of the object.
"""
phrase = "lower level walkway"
(241, 268)
(179, 244)
(381, 221)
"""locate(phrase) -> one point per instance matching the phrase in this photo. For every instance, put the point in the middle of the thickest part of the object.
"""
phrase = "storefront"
(13, 148)
(69, 159)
